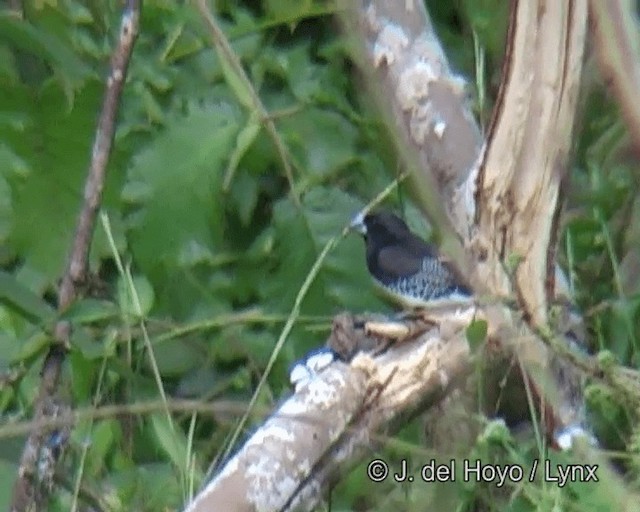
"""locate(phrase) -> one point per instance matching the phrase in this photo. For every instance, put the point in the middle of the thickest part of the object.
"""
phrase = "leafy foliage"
(206, 243)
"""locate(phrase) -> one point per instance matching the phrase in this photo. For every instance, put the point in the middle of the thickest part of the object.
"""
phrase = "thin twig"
(227, 54)
(295, 311)
(218, 408)
(39, 458)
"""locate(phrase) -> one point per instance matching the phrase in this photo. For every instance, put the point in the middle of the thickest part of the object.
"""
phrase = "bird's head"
(384, 225)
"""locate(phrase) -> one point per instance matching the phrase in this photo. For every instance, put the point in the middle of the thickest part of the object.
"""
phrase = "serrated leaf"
(175, 185)
(324, 141)
(300, 236)
(151, 107)
(46, 46)
(185, 45)
(56, 147)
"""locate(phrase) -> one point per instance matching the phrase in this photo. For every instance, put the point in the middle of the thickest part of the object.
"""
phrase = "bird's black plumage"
(404, 264)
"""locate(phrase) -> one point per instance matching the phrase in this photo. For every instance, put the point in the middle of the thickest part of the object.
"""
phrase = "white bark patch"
(413, 85)
(391, 41)
(420, 122)
(371, 17)
(438, 128)
(444, 379)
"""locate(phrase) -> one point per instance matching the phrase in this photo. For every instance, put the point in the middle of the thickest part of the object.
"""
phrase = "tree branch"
(331, 421)
(35, 474)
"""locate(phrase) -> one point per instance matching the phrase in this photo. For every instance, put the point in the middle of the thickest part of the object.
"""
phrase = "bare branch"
(288, 463)
(528, 147)
(35, 474)
(425, 99)
(221, 409)
(517, 187)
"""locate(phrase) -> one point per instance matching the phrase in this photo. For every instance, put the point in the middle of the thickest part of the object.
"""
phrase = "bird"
(408, 268)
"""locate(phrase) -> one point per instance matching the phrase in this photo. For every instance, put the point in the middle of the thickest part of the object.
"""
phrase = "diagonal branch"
(332, 421)
(35, 474)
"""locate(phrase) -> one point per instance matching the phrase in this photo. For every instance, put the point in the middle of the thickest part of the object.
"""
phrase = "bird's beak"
(357, 223)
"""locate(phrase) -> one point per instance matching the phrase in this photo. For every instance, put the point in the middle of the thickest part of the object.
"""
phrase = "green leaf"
(476, 334)
(323, 141)
(311, 82)
(105, 437)
(85, 343)
(43, 44)
(9, 349)
(171, 440)
(7, 473)
(32, 346)
(8, 68)
(11, 163)
(22, 300)
(300, 236)
(174, 184)
(138, 302)
(241, 89)
(288, 10)
(178, 358)
(244, 195)
(245, 138)
(84, 372)
(55, 145)
(87, 311)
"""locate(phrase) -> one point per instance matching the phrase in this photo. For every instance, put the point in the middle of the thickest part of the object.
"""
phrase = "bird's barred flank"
(406, 266)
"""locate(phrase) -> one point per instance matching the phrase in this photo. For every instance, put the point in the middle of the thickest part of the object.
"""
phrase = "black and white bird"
(407, 267)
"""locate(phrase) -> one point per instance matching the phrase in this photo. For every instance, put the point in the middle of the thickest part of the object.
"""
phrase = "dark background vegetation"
(209, 236)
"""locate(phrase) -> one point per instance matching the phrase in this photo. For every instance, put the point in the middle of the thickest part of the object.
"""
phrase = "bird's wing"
(419, 247)
(396, 261)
